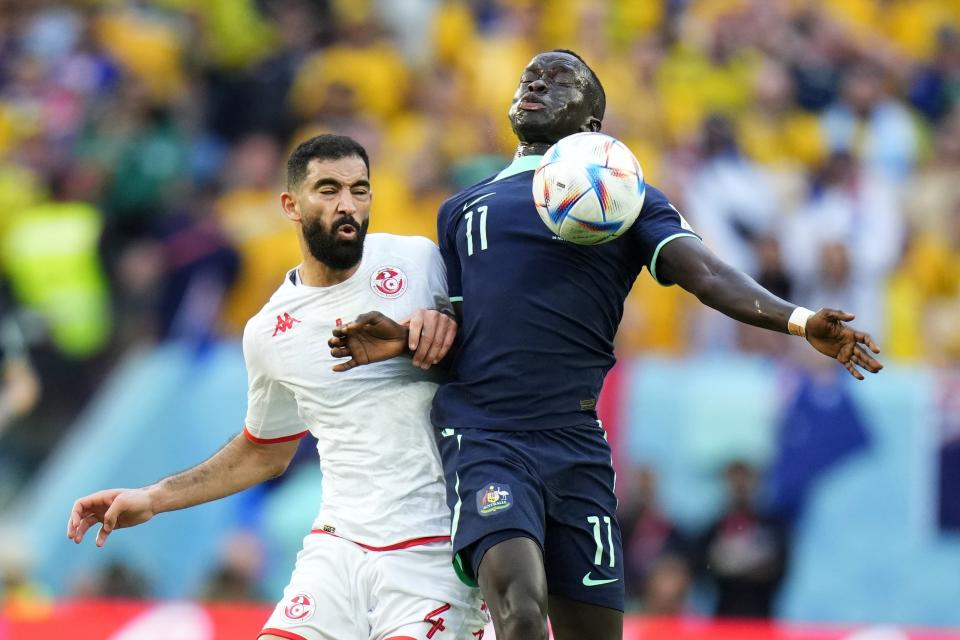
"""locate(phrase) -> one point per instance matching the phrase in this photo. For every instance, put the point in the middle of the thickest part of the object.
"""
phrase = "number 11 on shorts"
(598, 556)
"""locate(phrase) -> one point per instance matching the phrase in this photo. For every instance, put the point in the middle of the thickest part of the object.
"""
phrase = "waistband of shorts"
(590, 425)
(406, 544)
(506, 423)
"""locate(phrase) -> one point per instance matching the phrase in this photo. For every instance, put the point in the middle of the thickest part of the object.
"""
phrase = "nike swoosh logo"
(590, 582)
(483, 197)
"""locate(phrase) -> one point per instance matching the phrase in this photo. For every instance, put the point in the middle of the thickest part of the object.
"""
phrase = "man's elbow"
(276, 467)
(272, 460)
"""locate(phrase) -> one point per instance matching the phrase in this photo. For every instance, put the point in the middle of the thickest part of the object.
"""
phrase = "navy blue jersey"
(539, 313)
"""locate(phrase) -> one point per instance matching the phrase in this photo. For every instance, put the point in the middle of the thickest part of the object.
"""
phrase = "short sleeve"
(658, 224)
(272, 414)
(437, 279)
(446, 235)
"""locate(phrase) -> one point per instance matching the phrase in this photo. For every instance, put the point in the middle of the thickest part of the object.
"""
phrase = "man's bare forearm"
(739, 296)
(239, 465)
(716, 284)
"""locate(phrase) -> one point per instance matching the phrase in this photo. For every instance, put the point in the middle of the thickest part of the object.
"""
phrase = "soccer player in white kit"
(378, 563)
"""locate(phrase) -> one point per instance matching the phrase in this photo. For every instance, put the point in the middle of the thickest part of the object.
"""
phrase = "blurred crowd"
(814, 144)
(733, 568)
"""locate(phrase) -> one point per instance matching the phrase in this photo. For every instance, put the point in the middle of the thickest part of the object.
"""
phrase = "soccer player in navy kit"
(528, 469)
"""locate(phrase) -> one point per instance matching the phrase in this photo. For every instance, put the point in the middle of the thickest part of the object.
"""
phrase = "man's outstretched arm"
(690, 264)
(237, 466)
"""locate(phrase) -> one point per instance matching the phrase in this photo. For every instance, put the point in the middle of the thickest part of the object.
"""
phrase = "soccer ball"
(588, 188)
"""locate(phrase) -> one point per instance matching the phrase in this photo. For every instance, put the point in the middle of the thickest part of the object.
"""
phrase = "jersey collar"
(519, 165)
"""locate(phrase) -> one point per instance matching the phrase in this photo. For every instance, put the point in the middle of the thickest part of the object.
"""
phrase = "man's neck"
(314, 273)
(532, 149)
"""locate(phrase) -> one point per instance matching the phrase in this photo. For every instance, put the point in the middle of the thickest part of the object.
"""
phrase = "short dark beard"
(330, 250)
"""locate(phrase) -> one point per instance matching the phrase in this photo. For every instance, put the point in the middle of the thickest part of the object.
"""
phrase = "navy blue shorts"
(554, 486)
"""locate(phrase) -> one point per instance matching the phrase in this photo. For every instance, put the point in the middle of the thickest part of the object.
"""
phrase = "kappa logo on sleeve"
(494, 498)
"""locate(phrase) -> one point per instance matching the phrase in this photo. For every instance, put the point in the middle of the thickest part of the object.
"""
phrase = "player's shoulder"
(263, 322)
(659, 212)
(457, 201)
(655, 198)
(384, 245)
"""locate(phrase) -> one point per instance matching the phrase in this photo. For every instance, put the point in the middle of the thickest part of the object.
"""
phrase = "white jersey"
(382, 477)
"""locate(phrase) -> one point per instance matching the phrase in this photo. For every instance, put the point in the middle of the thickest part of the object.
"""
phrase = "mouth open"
(346, 232)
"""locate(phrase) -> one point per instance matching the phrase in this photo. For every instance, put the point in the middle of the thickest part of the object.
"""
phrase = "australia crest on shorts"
(494, 498)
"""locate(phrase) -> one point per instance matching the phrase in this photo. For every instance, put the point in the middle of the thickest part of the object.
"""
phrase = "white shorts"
(342, 591)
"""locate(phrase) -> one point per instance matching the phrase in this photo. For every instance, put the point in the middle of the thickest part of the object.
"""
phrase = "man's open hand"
(829, 335)
(113, 508)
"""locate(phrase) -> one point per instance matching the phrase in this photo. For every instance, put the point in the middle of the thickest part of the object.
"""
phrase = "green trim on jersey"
(656, 253)
(519, 165)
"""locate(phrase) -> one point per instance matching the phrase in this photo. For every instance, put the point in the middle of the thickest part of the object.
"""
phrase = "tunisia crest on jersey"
(299, 608)
(388, 282)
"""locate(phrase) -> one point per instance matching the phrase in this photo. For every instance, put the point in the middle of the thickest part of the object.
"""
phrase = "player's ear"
(591, 125)
(289, 204)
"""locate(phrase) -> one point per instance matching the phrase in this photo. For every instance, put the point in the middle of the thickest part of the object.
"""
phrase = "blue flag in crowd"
(820, 427)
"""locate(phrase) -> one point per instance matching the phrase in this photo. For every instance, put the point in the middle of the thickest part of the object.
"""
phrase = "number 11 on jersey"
(482, 210)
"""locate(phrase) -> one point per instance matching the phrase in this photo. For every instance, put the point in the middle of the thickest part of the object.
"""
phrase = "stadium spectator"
(732, 205)
(935, 88)
(20, 388)
(236, 578)
(248, 213)
(745, 550)
(934, 190)
(119, 580)
(655, 551)
(20, 391)
(922, 293)
(815, 47)
(50, 255)
(667, 587)
(774, 131)
(841, 247)
(20, 595)
(199, 266)
(728, 196)
(871, 125)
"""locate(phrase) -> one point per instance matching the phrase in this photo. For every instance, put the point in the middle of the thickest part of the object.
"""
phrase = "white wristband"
(797, 324)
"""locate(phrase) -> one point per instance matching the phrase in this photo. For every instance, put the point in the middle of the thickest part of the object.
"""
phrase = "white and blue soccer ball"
(588, 188)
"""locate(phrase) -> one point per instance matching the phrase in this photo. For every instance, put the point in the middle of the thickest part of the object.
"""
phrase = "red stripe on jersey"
(406, 544)
(281, 633)
(253, 438)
